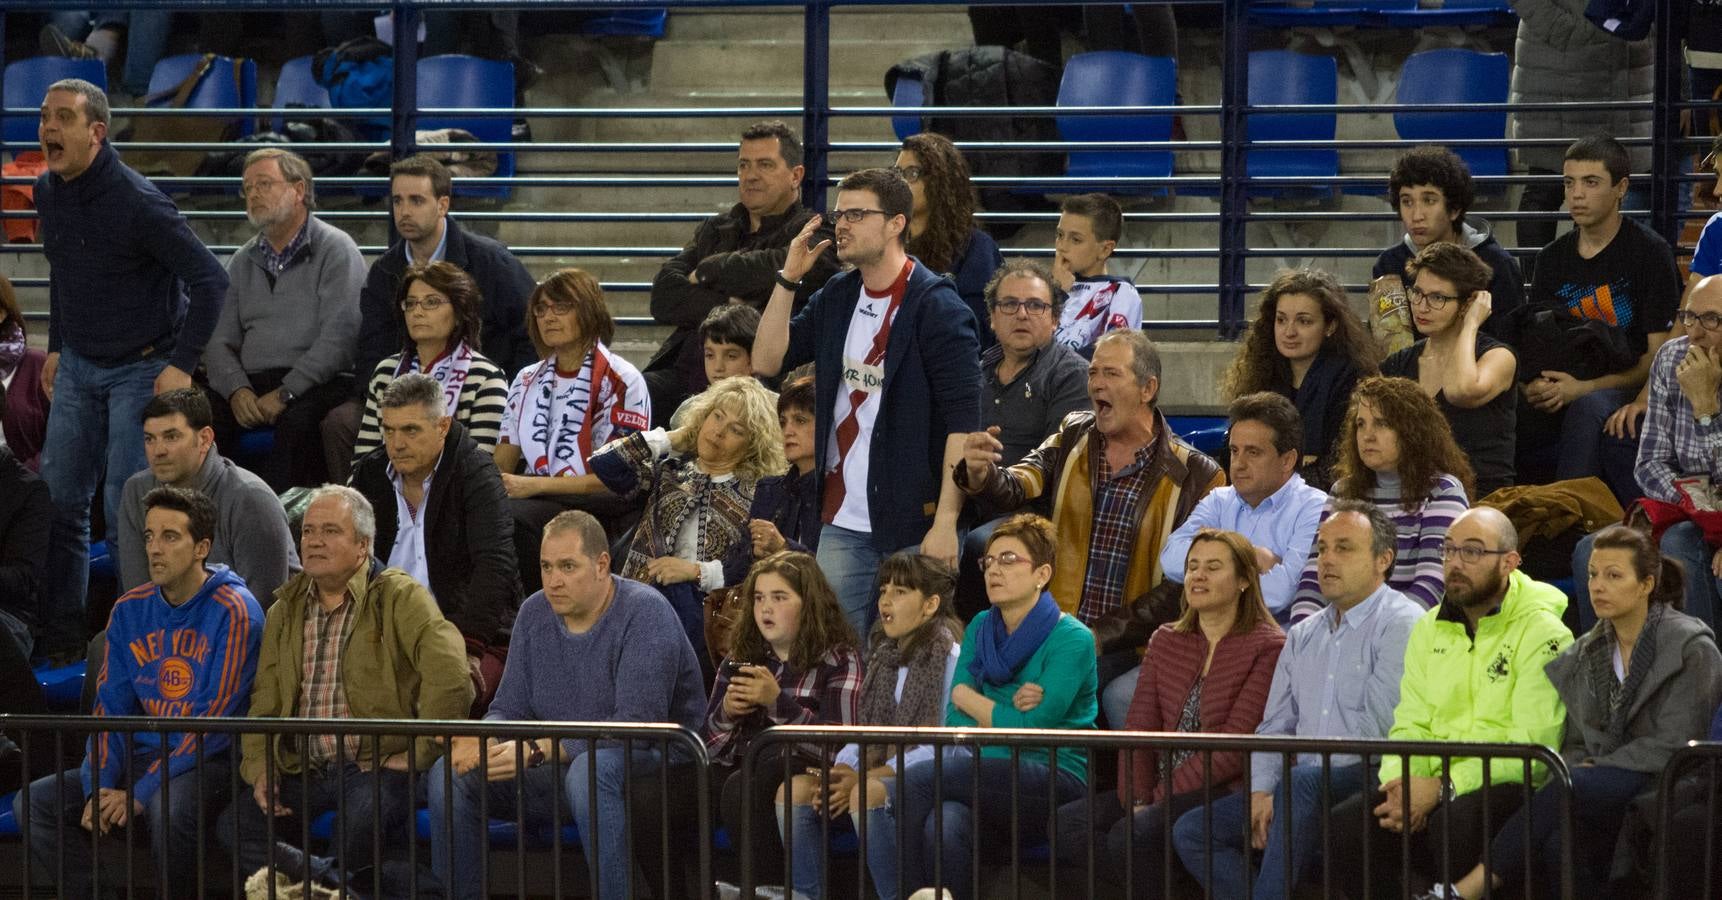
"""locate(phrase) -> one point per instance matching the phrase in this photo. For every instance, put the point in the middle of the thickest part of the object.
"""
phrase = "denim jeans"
(1129, 848)
(1684, 542)
(1585, 449)
(603, 840)
(374, 804)
(1601, 796)
(147, 31)
(95, 422)
(852, 566)
(809, 847)
(1228, 853)
(973, 818)
(1115, 697)
(57, 807)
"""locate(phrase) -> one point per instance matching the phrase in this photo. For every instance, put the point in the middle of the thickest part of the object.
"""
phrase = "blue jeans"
(1228, 853)
(1601, 795)
(852, 566)
(1684, 542)
(375, 806)
(1115, 697)
(810, 847)
(969, 815)
(1585, 449)
(147, 31)
(95, 422)
(604, 840)
(57, 807)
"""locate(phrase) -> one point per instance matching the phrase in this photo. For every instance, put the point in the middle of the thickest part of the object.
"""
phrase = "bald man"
(1473, 672)
(1682, 439)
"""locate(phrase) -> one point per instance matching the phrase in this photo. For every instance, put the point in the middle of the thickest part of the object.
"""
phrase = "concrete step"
(751, 61)
(854, 23)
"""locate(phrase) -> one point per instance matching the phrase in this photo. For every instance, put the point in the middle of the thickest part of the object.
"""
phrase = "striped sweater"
(165, 661)
(1418, 571)
(483, 398)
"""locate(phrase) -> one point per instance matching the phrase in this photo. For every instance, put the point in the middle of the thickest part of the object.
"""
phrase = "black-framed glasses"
(428, 304)
(1710, 321)
(1007, 558)
(1468, 553)
(911, 174)
(854, 216)
(1429, 299)
(1012, 307)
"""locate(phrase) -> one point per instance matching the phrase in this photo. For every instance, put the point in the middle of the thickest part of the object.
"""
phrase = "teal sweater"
(1064, 669)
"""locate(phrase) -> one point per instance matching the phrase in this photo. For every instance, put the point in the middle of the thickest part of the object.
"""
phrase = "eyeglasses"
(1012, 307)
(428, 304)
(546, 307)
(854, 216)
(911, 174)
(1710, 321)
(1431, 300)
(260, 186)
(1468, 553)
(1007, 558)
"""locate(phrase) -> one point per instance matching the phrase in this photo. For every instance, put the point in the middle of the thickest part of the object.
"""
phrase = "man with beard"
(1473, 672)
(282, 352)
(904, 389)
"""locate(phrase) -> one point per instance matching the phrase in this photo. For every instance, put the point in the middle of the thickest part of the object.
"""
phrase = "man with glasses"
(282, 352)
(1473, 672)
(733, 257)
(1680, 449)
(899, 385)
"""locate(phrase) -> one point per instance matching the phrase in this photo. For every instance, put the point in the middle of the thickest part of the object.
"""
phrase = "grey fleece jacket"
(251, 534)
(306, 320)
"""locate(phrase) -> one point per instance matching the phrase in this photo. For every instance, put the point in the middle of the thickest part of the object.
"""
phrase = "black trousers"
(297, 459)
(1454, 832)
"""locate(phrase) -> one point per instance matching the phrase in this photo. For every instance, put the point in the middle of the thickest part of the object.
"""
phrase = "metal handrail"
(1674, 773)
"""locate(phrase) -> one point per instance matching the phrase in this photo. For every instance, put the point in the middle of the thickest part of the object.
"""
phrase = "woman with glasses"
(579, 397)
(942, 230)
(1024, 664)
(1645, 680)
(1397, 452)
(1468, 374)
(437, 308)
(1309, 347)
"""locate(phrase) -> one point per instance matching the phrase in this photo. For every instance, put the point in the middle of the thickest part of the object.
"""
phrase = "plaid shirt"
(1115, 502)
(1672, 443)
(277, 263)
(827, 694)
(321, 693)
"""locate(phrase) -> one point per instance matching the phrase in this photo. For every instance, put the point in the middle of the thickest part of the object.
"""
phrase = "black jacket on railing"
(469, 535)
(25, 512)
(502, 280)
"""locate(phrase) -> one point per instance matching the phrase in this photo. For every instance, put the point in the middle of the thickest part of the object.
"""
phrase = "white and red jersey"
(557, 418)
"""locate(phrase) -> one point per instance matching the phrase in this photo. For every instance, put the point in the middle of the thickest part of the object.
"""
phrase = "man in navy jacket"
(133, 296)
(898, 385)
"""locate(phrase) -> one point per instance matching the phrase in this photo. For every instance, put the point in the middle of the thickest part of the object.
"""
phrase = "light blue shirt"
(436, 255)
(1284, 523)
(1337, 677)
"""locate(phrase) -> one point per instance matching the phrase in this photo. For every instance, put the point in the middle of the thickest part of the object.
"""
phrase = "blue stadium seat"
(628, 22)
(1452, 76)
(1205, 433)
(1281, 77)
(28, 79)
(468, 82)
(63, 686)
(255, 444)
(102, 561)
(503, 833)
(8, 820)
(216, 90)
(907, 93)
(1450, 13)
(297, 86)
(1117, 78)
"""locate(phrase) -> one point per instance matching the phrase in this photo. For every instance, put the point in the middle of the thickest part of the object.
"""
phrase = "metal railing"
(1689, 823)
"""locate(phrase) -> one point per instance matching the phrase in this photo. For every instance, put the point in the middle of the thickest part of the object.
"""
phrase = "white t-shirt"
(864, 327)
(1095, 306)
(557, 419)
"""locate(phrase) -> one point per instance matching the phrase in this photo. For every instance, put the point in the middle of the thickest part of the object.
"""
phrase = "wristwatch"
(536, 757)
(784, 280)
(287, 396)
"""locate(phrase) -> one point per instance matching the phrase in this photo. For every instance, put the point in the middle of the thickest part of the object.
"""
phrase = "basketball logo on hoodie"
(175, 678)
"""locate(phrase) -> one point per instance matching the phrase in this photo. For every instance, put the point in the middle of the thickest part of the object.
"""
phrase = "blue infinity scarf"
(1000, 655)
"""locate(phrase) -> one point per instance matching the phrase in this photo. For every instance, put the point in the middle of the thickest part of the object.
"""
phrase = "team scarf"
(559, 420)
(450, 370)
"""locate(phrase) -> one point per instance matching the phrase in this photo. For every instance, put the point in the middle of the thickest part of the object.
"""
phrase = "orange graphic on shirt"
(1599, 305)
(175, 678)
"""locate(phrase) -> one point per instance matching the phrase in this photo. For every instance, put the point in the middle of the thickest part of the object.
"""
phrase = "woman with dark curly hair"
(942, 231)
(1397, 452)
(1308, 346)
(437, 309)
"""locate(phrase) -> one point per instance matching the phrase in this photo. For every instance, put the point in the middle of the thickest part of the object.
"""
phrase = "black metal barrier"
(381, 857)
(1689, 824)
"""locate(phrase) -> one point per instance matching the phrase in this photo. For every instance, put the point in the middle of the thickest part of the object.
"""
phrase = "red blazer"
(26, 421)
(1233, 697)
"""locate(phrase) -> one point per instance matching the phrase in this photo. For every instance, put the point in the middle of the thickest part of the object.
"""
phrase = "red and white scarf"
(450, 370)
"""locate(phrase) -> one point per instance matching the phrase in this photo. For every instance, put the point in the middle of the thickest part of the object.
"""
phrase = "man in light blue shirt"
(1338, 676)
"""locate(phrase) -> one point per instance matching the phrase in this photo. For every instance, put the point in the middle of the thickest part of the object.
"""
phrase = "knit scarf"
(11, 347)
(999, 655)
(923, 701)
(1619, 695)
(450, 370)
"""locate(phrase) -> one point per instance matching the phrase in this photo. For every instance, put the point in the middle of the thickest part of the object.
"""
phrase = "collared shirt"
(1337, 677)
(1284, 523)
(277, 263)
(828, 693)
(1672, 443)
(1115, 525)
(1052, 385)
(436, 255)
(322, 695)
(408, 553)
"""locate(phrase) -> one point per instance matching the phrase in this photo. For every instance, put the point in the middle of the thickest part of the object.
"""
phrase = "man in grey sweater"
(252, 536)
(282, 352)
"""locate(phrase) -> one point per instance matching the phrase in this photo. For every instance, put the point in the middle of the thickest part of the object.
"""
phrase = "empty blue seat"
(8, 819)
(1454, 76)
(628, 23)
(1278, 78)
(255, 444)
(102, 562)
(1117, 78)
(216, 90)
(1205, 433)
(27, 81)
(468, 82)
(62, 686)
(1451, 13)
(907, 93)
(297, 86)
